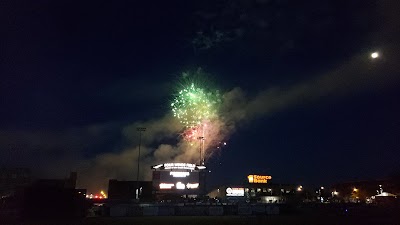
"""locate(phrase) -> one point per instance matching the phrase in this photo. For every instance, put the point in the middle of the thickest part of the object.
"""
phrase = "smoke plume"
(161, 143)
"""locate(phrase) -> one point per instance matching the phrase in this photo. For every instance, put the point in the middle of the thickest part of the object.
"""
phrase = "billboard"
(258, 179)
(234, 192)
(181, 178)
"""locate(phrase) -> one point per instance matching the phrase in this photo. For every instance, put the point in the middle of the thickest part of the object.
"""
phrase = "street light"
(140, 129)
(300, 188)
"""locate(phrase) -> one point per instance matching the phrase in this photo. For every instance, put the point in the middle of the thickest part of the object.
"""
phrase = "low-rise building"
(257, 189)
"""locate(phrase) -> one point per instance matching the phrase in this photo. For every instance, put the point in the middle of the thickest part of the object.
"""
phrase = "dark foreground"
(318, 214)
(205, 220)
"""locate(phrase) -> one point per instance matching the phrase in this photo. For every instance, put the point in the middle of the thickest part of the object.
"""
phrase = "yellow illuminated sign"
(260, 179)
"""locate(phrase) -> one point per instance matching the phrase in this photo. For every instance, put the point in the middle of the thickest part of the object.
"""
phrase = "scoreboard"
(179, 178)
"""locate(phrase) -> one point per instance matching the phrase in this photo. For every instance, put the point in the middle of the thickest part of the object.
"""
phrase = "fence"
(122, 210)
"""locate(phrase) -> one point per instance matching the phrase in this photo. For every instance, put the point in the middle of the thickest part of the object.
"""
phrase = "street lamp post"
(140, 129)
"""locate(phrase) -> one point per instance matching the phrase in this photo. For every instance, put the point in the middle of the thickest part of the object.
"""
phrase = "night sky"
(78, 77)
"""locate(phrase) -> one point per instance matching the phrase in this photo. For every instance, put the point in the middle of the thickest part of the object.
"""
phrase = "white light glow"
(180, 185)
(185, 166)
(201, 167)
(179, 174)
(166, 186)
(375, 55)
(158, 166)
(192, 186)
(234, 191)
(89, 196)
(300, 188)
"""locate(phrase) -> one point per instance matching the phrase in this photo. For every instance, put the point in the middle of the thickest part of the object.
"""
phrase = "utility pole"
(140, 129)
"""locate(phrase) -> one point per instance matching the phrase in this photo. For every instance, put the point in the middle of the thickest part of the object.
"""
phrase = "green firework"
(194, 105)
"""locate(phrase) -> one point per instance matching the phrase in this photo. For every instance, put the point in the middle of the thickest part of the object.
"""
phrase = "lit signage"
(260, 179)
(180, 185)
(192, 186)
(157, 166)
(201, 167)
(166, 186)
(179, 174)
(179, 166)
(238, 192)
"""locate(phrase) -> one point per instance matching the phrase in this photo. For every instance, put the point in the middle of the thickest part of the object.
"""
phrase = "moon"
(374, 55)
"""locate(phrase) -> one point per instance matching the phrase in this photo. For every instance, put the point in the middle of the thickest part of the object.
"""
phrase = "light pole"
(140, 129)
(201, 162)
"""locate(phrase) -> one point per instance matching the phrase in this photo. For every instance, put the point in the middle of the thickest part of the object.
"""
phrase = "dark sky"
(75, 74)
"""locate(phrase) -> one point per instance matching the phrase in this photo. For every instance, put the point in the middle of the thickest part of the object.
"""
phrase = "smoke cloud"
(55, 153)
(161, 142)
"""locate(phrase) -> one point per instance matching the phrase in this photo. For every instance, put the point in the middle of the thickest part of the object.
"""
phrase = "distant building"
(360, 191)
(56, 198)
(384, 198)
(12, 179)
(120, 191)
(23, 198)
(261, 193)
(257, 189)
(69, 182)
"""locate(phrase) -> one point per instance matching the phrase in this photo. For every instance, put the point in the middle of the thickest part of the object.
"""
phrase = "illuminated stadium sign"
(234, 192)
(179, 185)
(166, 186)
(179, 166)
(178, 178)
(192, 186)
(259, 179)
(179, 174)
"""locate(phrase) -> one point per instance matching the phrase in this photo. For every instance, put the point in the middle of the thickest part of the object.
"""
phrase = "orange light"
(258, 178)
(300, 188)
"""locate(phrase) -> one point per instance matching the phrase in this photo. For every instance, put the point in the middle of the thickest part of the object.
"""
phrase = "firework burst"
(194, 106)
